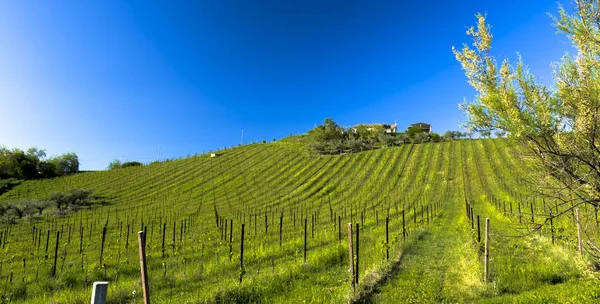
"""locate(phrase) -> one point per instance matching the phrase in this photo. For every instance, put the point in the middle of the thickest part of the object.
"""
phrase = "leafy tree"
(485, 133)
(317, 147)
(363, 132)
(32, 164)
(448, 136)
(386, 139)
(9, 167)
(412, 131)
(46, 169)
(420, 138)
(18, 211)
(500, 133)
(435, 137)
(402, 138)
(336, 146)
(66, 164)
(39, 206)
(115, 164)
(558, 126)
(328, 131)
(375, 131)
(27, 163)
(355, 145)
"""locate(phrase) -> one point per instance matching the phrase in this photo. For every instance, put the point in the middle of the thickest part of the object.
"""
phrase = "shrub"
(131, 164)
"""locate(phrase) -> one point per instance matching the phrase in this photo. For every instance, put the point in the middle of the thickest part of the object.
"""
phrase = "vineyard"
(417, 212)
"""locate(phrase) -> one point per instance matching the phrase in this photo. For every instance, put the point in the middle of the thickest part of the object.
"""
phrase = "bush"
(386, 140)
(355, 145)
(7, 184)
(131, 164)
(317, 147)
(115, 164)
(421, 138)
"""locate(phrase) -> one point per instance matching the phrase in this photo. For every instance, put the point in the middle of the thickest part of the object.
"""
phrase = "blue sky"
(112, 79)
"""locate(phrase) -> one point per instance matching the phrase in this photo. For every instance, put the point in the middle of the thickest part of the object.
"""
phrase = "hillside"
(274, 189)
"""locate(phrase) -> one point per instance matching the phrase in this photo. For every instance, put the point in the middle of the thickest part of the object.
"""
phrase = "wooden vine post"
(55, 254)
(164, 232)
(242, 254)
(403, 227)
(280, 229)
(487, 250)
(339, 228)
(231, 241)
(305, 224)
(143, 268)
(357, 253)
(351, 256)
(579, 239)
(102, 244)
(478, 231)
(387, 239)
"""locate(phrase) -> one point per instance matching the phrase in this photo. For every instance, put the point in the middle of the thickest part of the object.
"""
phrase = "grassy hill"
(197, 206)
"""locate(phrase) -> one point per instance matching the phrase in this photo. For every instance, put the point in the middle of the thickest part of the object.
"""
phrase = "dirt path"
(442, 265)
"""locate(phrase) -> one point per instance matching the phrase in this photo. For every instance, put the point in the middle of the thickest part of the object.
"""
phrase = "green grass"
(439, 261)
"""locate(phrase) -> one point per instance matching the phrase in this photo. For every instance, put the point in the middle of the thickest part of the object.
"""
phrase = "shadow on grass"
(371, 289)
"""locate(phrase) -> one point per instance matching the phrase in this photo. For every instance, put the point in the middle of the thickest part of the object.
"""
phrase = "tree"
(559, 126)
(9, 167)
(448, 136)
(115, 164)
(328, 131)
(27, 162)
(435, 137)
(412, 131)
(420, 138)
(66, 164)
(46, 169)
(387, 140)
(39, 206)
(485, 133)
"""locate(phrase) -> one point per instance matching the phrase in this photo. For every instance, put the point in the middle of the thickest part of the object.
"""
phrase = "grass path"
(441, 266)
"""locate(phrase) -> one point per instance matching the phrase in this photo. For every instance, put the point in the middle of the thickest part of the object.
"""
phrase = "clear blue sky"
(107, 79)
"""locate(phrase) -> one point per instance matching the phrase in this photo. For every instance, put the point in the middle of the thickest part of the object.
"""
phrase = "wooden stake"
(143, 269)
(387, 244)
(280, 229)
(487, 250)
(231, 240)
(579, 239)
(478, 231)
(164, 232)
(305, 224)
(351, 256)
(102, 245)
(55, 254)
(403, 227)
(357, 253)
(339, 228)
(242, 255)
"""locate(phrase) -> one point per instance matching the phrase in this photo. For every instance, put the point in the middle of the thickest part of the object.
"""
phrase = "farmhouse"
(388, 128)
(423, 126)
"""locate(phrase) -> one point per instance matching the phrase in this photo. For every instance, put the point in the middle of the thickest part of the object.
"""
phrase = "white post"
(99, 293)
